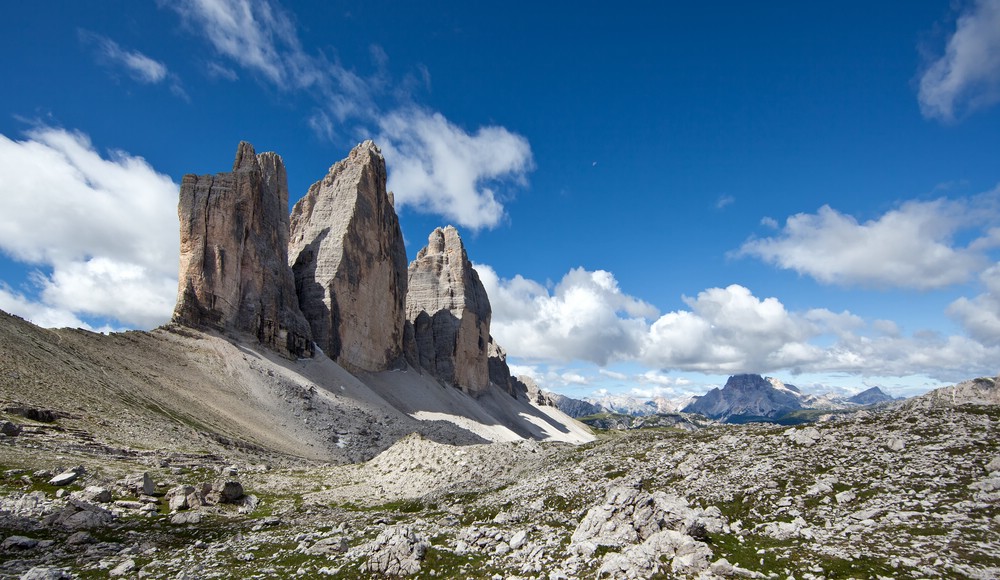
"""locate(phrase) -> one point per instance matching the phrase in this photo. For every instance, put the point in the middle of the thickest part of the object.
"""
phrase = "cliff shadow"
(311, 294)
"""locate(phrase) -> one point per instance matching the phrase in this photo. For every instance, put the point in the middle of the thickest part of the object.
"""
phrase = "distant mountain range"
(744, 398)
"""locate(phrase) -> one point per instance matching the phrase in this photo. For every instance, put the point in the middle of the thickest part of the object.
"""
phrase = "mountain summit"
(747, 397)
(234, 273)
(349, 262)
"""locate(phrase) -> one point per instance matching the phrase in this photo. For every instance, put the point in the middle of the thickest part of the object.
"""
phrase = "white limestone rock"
(347, 253)
(234, 273)
(448, 314)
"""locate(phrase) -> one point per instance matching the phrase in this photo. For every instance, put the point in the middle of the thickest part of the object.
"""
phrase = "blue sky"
(655, 198)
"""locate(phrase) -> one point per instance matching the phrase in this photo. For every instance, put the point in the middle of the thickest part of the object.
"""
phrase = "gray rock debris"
(647, 526)
(137, 484)
(79, 514)
(686, 556)
(806, 437)
(46, 573)
(397, 551)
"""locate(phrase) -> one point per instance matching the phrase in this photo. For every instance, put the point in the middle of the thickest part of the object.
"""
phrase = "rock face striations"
(349, 262)
(334, 274)
(234, 267)
(448, 314)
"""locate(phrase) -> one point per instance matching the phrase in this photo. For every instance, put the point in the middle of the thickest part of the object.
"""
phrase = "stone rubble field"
(905, 493)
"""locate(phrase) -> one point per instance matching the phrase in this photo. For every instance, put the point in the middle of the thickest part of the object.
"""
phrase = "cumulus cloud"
(38, 313)
(729, 330)
(104, 227)
(980, 316)
(438, 167)
(910, 247)
(967, 76)
(434, 165)
(587, 317)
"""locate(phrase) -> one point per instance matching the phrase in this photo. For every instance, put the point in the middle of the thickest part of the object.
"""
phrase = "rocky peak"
(349, 263)
(746, 397)
(448, 313)
(872, 396)
(233, 265)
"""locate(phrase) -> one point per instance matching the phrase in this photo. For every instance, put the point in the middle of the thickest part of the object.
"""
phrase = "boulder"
(806, 437)
(137, 484)
(184, 518)
(686, 556)
(123, 569)
(79, 514)
(69, 476)
(95, 494)
(10, 429)
(177, 498)
(630, 515)
(18, 543)
(46, 573)
(397, 551)
(349, 262)
(448, 313)
(225, 492)
(234, 273)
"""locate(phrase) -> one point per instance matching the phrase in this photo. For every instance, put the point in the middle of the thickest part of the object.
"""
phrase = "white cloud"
(587, 318)
(219, 71)
(261, 37)
(105, 226)
(571, 378)
(657, 378)
(911, 247)
(723, 201)
(255, 34)
(980, 316)
(139, 66)
(729, 330)
(967, 76)
(40, 314)
(436, 166)
(613, 375)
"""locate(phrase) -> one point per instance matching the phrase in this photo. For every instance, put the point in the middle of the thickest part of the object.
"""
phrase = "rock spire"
(448, 314)
(349, 262)
(234, 266)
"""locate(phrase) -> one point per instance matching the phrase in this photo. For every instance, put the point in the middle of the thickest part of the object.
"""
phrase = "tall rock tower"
(349, 262)
(234, 265)
(448, 314)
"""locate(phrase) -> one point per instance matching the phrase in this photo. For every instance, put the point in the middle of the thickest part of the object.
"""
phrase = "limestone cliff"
(233, 266)
(499, 370)
(448, 313)
(349, 262)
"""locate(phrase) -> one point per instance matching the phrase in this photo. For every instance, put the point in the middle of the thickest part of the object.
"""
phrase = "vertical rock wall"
(449, 314)
(349, 263)
(234, 267)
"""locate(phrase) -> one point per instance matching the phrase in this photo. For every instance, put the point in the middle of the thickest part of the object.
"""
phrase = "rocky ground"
(911, 492)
